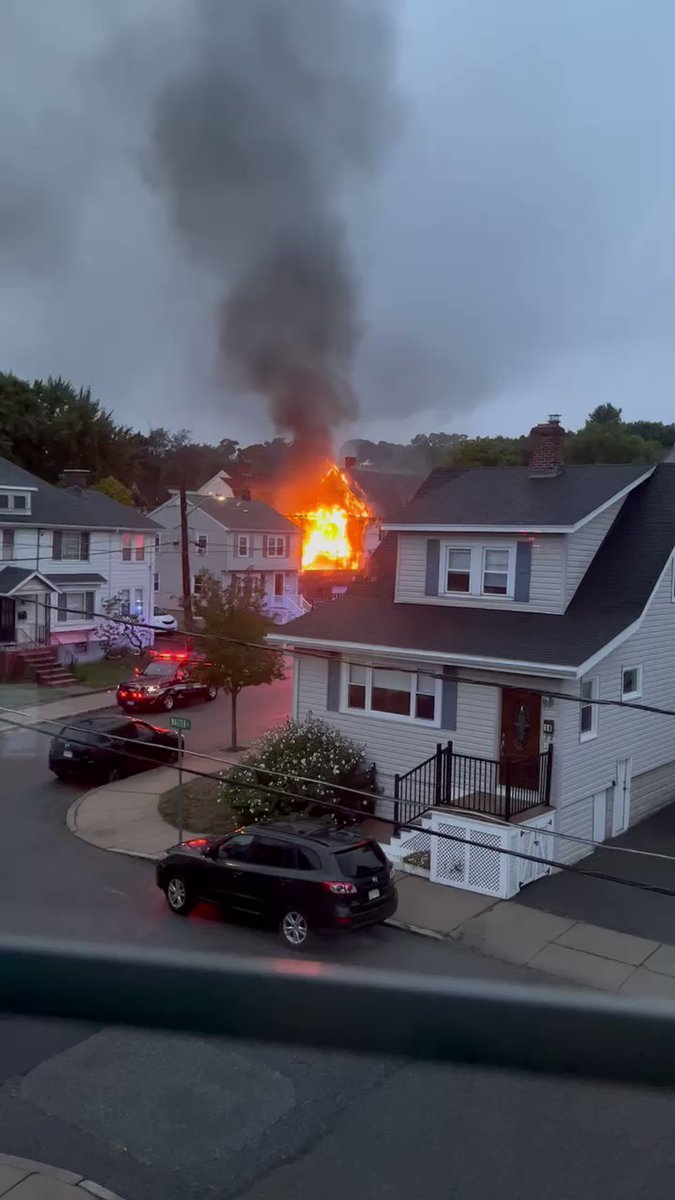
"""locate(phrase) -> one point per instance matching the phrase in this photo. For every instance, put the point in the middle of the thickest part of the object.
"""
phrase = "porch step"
(54, 676)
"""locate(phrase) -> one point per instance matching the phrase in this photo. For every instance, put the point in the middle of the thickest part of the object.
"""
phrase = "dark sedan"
(90, 748)
(305, 877)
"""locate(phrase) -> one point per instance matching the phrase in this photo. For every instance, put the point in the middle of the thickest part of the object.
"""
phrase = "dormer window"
(478, 571)
(15, 502)
(495, 580)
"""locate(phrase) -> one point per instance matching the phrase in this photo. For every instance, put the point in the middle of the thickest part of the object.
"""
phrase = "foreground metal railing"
(503, 788)
(533, 1028)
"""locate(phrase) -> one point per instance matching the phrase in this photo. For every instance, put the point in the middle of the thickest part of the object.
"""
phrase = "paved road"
(163, 1118)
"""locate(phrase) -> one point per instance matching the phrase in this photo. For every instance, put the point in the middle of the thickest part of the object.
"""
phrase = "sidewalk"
(573, 950)
(28, 1180)
(54, 710)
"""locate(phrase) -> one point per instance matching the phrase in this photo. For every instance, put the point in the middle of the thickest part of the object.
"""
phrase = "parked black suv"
(306, 877)
(166, 681)
(88, 748)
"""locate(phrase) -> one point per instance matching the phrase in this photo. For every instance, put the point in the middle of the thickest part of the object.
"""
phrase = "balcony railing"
(504, 788)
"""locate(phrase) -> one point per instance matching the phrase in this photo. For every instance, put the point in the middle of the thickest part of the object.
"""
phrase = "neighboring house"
(230, 538)
(384, 492)
(497, 593)
(65, 552)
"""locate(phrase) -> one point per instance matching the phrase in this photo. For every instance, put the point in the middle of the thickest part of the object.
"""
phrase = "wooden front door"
(521, 724)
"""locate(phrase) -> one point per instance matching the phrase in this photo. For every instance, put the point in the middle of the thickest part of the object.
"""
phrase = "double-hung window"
(275, 547)
(588, 712)
(408, 694)
(70, 545)
(241, 545)
(458, 576)
(495, 575)
(75, 606)
(478, 571)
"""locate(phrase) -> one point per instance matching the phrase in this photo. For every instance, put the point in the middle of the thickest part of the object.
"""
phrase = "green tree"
(489, 452)
(235, 625)
(116, 490)
(605, 414)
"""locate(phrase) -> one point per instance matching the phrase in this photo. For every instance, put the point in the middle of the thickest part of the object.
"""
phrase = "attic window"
(15, 501)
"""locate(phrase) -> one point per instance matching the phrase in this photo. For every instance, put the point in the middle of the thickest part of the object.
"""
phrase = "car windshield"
(160, 668)
(360, 861)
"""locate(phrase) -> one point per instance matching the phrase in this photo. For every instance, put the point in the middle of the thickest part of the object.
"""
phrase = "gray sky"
(512, 241)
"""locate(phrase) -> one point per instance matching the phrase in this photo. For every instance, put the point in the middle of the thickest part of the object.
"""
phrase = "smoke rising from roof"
(281, 104)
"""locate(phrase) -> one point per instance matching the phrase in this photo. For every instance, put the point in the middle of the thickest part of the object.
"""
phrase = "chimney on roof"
(350, 461)
(546, 448)
(74, 477)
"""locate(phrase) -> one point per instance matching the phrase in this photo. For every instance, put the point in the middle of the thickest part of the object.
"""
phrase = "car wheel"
(178, 896)
(61, 776)
(168, 703)
(211, 691)
(295, 929)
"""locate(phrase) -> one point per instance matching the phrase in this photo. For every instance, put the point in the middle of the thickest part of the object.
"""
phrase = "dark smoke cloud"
(282, 103)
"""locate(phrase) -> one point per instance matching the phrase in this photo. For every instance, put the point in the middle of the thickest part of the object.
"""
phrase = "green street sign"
(180, 722)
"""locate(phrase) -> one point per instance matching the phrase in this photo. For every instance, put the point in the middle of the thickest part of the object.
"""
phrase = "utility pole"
(185, 564)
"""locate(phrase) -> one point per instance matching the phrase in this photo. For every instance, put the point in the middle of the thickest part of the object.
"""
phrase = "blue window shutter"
(523, 571)
(433, 565)
(448, 699)
(333, 689)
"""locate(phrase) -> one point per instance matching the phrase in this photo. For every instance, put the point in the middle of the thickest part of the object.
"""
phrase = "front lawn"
(109, 671)
(201, 811)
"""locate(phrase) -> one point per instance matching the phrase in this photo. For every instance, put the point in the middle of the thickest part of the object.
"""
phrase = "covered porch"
(25, 608)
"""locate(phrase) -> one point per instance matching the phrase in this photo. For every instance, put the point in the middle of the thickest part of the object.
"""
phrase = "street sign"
(180, 722)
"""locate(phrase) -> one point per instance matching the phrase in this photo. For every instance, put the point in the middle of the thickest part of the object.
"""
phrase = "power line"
(344, 810)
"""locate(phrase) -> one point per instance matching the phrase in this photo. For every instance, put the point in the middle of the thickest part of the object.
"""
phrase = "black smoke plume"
(282, 106)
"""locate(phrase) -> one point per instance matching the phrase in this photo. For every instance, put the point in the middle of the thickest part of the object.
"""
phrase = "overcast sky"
(513, 242)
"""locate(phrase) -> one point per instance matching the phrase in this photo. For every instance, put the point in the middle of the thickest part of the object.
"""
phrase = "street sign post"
(181, 724)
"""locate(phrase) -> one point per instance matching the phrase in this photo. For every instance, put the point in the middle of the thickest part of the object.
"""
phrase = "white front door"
(621, 809)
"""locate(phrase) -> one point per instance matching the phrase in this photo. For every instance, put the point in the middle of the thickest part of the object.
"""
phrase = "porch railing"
(503, 788)
(31, 636)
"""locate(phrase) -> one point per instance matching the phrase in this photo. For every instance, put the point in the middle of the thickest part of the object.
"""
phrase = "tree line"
(48, 426)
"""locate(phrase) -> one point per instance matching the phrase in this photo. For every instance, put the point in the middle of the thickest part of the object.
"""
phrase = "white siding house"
(229, 538)
(65, 553)
(512, 616)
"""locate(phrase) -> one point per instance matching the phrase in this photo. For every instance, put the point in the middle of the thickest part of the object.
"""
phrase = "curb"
(58, 1175)
(71, 823)
(417, 929)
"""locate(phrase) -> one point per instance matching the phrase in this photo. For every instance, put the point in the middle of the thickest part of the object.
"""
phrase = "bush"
(309, 748)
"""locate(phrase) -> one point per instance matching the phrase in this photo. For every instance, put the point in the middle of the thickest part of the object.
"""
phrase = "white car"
(163, 621)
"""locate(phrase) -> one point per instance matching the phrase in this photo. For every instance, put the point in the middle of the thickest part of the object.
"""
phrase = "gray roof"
(247, 515)
(76, 577)
(79, 508)
(13, 577)
(609, 599)
(385, 491)
(509, 496)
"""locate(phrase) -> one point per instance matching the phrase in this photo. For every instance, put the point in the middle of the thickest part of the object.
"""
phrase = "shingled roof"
(78, 508)
(509, 497)
(608, 601)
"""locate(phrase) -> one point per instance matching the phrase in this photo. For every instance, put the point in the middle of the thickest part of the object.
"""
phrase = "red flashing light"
(174, 656)
(196, 843)
(340, 888)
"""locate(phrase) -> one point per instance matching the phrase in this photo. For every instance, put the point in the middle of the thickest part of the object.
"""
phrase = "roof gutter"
(481, 662)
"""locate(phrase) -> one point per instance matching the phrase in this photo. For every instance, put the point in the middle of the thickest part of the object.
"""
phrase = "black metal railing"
(503, 788)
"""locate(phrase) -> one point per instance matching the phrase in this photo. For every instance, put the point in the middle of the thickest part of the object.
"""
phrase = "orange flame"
(334, 525)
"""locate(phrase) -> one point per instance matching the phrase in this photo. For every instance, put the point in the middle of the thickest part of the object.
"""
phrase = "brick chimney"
(546, 448)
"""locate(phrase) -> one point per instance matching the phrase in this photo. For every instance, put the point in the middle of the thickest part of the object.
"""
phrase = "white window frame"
(12, 506)
(197, 580)
(385, 716)
(587, 735)
(76, 618)
(246, 540)
(635, 695)
(202, 544)
(68, 533)
(124, 596)
(155, 581)
(139, 599)
(477, 571)
(273, 539)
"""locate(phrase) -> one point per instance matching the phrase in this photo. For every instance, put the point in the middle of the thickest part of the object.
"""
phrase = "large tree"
(235, 625)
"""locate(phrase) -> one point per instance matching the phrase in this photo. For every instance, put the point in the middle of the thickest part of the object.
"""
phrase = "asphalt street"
(156, 1117)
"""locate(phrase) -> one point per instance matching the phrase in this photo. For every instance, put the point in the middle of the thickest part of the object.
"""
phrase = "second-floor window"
(202, 543)
(133, 547)
(275, 547)
(70, 545)
(19, 501)
(478, 571)
(588, 712)
(241, 545)
(7, 544)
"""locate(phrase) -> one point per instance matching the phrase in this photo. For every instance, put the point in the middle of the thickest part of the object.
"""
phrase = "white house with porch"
(503, 605)
(65, 551)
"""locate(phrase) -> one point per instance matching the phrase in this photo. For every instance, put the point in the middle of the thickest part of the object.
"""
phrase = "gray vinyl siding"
(589, 767)
(546, 579)
(583, 545)
(651, 791)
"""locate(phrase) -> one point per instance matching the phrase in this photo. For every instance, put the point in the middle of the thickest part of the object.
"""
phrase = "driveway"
(628, 909)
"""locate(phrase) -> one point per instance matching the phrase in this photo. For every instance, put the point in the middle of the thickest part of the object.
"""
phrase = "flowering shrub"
(313, 750)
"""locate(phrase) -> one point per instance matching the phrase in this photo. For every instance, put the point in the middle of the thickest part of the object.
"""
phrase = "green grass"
(109, 672)
(201, 811)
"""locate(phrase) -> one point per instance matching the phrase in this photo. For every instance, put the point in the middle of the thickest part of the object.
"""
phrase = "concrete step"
(54, 677)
